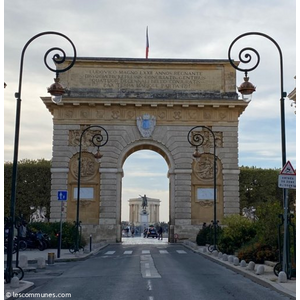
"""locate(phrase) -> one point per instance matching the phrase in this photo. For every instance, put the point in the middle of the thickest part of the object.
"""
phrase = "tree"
(33, 186)
(259, 186)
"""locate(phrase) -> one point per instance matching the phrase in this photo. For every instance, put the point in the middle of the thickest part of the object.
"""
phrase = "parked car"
(152, 232)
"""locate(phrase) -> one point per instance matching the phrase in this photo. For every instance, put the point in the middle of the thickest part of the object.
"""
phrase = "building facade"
(135, 211)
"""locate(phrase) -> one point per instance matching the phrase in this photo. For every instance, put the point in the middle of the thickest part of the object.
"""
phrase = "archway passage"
(145, 173)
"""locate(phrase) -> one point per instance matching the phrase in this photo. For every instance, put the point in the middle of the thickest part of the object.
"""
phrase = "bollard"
(282, 277)
(236, 261)
(175, 237)
(23, 262)
(41, 264)
(14, 283)
(90, 243)
(50, 258)
(243, 264)
(260, 270)
(251, 266)
(225, 257)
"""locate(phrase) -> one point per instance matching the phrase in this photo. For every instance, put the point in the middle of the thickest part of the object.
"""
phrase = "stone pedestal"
(144, 217)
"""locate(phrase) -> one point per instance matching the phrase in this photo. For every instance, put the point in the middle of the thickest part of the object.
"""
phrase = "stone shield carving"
(146, 125)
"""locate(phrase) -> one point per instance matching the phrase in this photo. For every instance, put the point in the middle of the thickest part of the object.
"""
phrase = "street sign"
(62, 195)
(288, 169)
(287, 181)
(287, 177)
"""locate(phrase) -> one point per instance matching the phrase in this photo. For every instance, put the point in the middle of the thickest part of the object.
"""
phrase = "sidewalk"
(268, 278)
(32, 257)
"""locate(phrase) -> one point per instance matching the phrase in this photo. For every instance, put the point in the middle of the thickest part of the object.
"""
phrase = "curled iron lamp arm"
(197, 140)
(98, 140)
(247, 59)
(58, 59)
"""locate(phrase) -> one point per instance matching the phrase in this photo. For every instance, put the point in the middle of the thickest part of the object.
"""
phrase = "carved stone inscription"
(151, 79)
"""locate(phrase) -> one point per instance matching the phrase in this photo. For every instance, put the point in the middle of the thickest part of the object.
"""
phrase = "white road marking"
(110, 252)
(148, 269)
(163, 252)
(128, 252)
(145, 251)
(149, 285)
(181, 251)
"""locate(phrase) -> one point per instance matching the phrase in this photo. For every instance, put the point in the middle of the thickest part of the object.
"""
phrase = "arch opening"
(145, 172)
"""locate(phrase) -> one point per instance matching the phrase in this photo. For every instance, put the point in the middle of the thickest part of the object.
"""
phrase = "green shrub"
(203, 236)
(237, 232)
(268, 221)
(52, 229)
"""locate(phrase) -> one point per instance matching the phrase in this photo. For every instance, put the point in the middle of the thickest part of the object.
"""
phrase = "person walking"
(160, 232)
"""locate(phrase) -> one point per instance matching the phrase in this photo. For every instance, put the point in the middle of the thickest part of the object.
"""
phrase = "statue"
(39, 215)
(145, 202)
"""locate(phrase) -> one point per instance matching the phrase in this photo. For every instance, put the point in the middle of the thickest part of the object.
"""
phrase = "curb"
(264, 282)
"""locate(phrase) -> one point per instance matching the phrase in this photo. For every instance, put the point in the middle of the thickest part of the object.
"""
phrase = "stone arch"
(147, 104)
(146, 145)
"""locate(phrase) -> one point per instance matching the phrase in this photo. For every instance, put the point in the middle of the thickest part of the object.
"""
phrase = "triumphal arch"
(146, 104)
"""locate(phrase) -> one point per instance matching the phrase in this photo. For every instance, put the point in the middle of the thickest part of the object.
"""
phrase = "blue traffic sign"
(62, 195)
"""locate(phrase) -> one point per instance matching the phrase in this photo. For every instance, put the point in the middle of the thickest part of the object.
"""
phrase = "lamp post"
(56, 91)
(245, 57)
(98, 140)
(196, 139)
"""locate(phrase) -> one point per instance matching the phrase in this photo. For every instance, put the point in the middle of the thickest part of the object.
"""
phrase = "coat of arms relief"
(146, 124)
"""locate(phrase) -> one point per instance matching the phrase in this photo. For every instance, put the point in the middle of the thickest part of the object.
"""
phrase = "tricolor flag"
(147, 43)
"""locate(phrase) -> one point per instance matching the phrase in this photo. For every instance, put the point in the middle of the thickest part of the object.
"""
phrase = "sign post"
(61, 196)
(286, 180)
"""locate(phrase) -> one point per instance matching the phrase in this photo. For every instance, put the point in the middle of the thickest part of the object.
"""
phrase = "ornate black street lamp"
(196, 139)
(99, 139)
(246, 89)
(55, 91)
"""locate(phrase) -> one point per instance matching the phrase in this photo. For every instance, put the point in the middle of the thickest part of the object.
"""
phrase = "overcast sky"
(191, 29)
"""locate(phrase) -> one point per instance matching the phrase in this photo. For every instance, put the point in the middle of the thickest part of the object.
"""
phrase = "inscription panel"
(141, 79)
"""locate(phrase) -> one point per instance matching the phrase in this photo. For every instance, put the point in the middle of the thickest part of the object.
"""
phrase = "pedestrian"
(160, 232)
(23, 230)
(145, 232)
(127, 231)
(132, 231)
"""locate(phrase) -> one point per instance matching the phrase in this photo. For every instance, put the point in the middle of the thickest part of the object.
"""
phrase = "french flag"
(147, 43)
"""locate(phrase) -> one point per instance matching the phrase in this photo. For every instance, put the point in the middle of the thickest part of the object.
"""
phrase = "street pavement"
(266, 279)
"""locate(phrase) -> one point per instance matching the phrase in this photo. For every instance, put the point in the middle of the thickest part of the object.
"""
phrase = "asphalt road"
(145, 272)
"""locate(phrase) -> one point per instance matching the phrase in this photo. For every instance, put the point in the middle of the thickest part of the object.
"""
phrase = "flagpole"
(147, 43)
